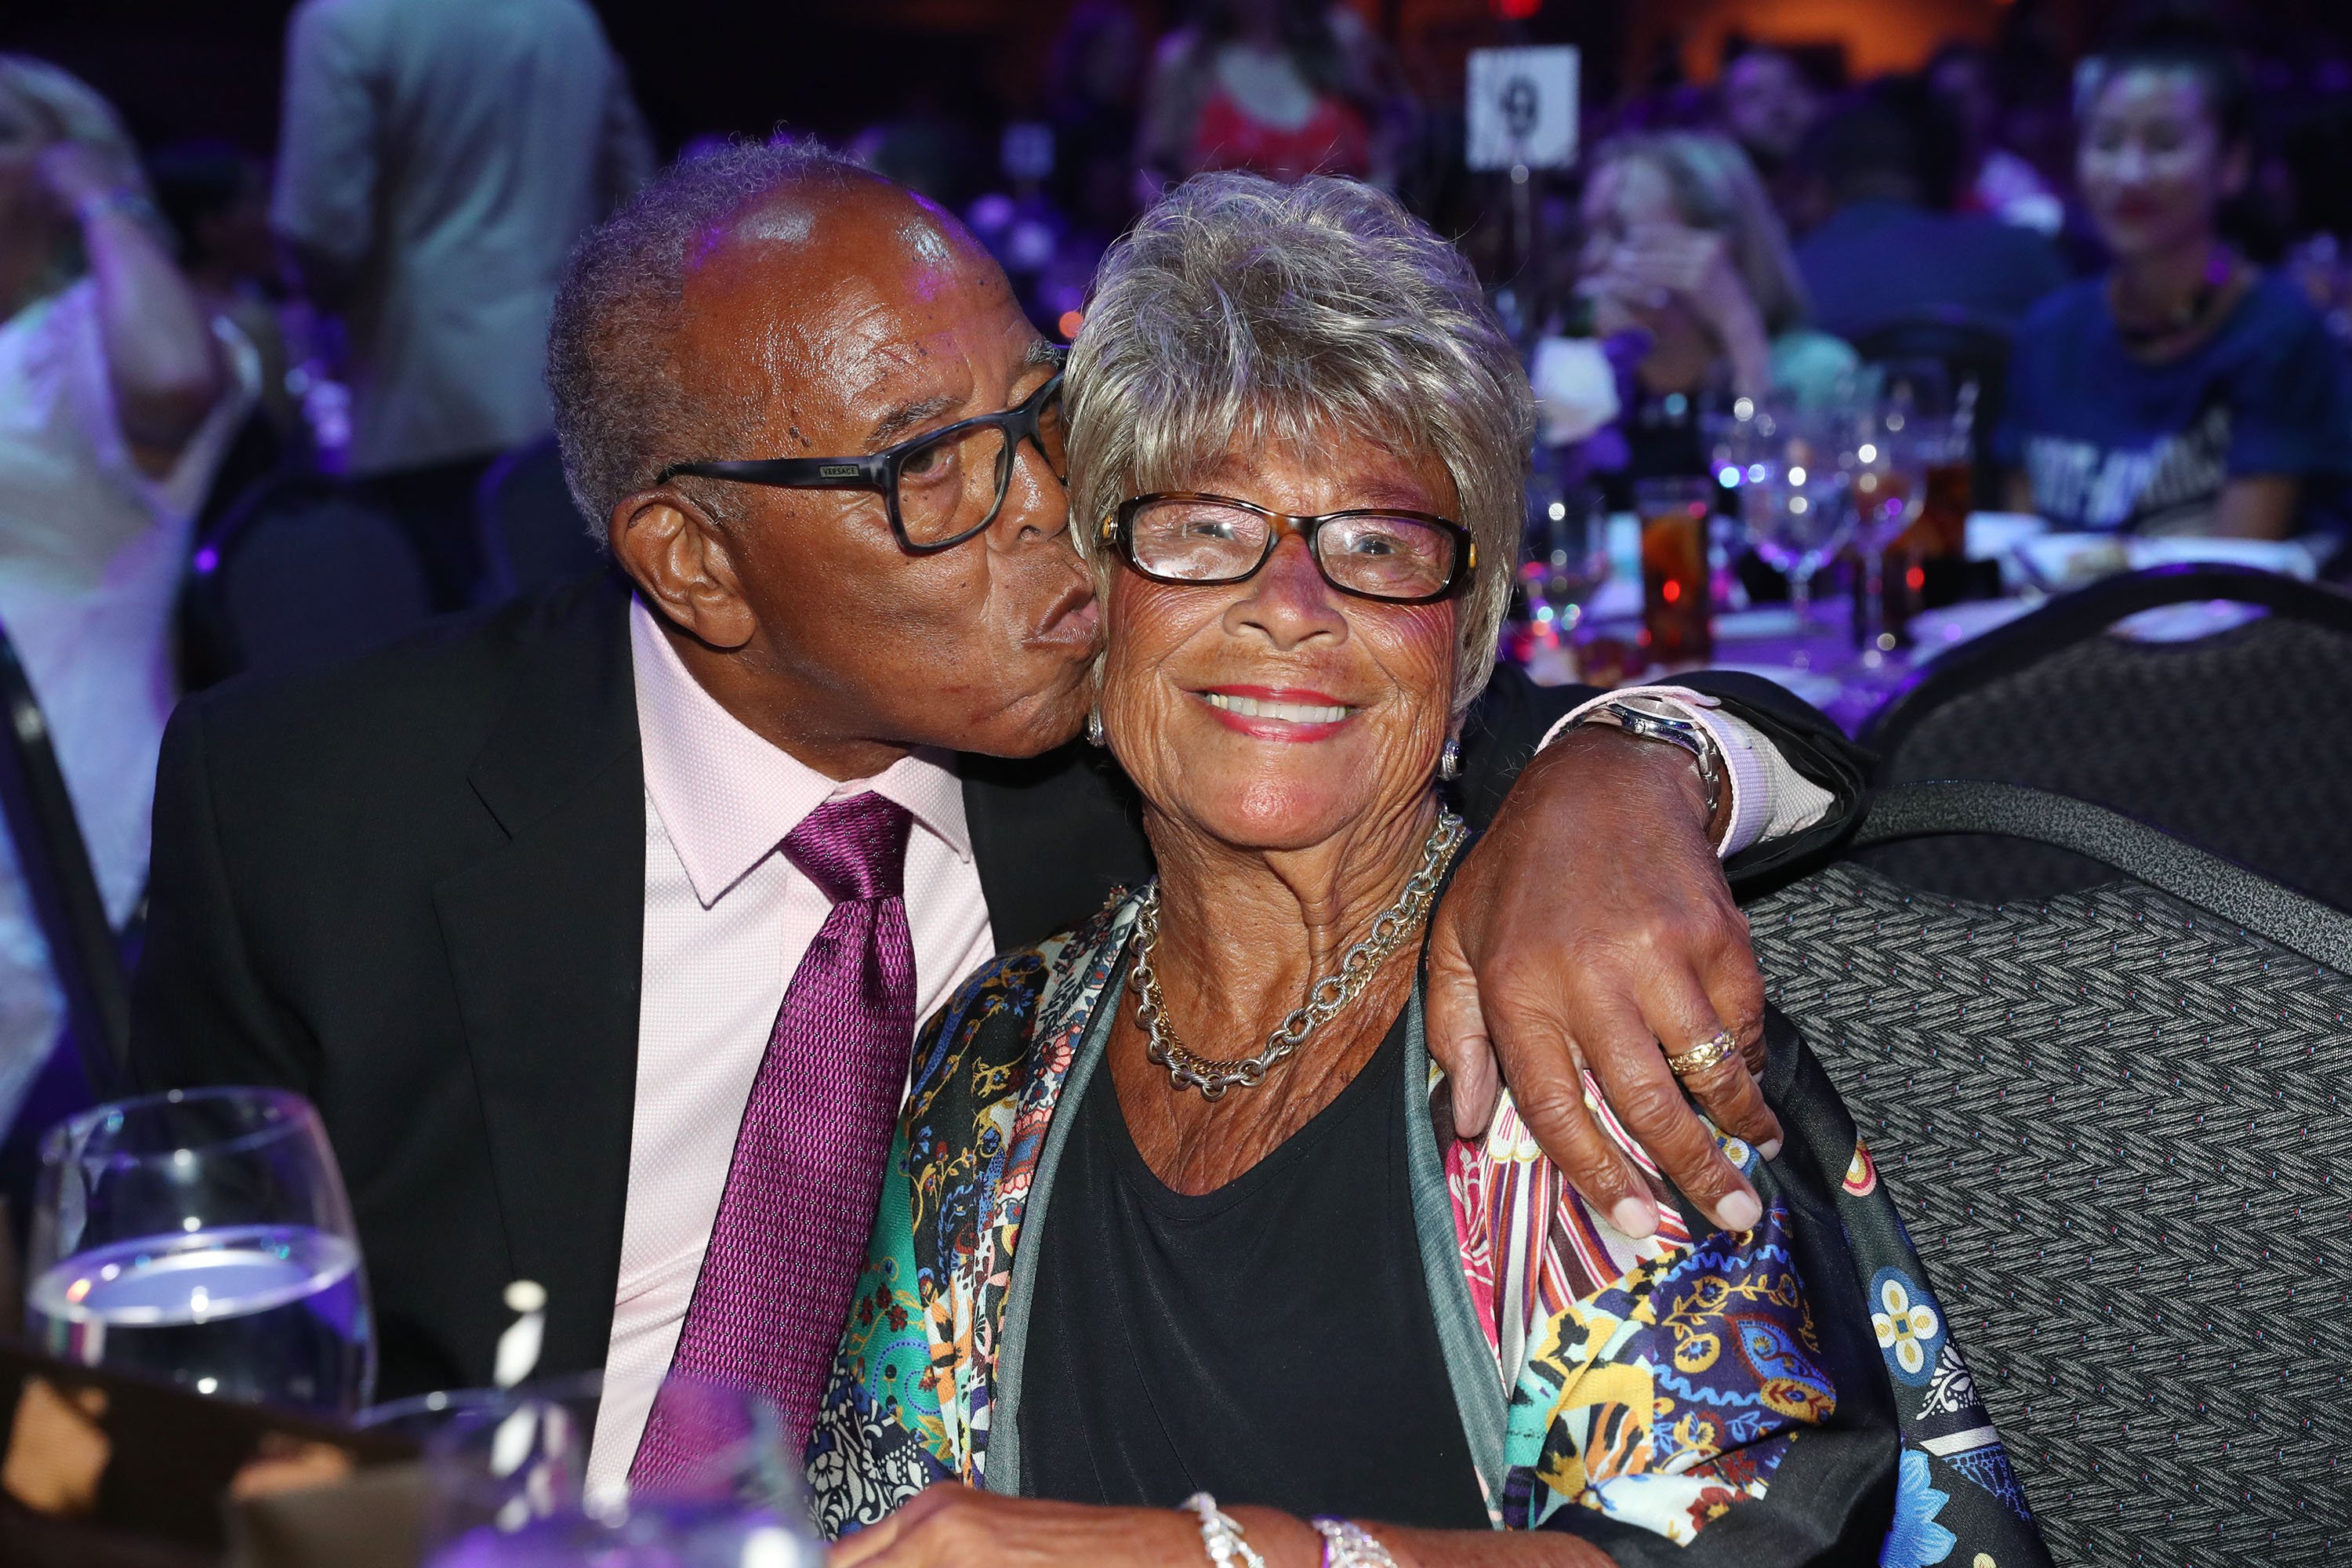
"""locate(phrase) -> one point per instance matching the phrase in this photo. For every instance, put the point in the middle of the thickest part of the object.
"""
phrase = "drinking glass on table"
(1793, 501)
(1678, 613)
(1899, 420)
(507, 1475)
(1567, 557)
(202, 1237)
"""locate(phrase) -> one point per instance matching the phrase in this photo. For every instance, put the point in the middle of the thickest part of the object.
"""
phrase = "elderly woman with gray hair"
(1178, 1234)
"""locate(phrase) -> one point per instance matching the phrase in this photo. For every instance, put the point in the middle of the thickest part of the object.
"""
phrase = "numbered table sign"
(1522, 108)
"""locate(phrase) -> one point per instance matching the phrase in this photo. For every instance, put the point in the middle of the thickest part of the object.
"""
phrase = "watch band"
(1652, 718)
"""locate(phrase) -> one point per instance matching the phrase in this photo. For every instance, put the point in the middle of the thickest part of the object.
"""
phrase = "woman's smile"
(1278, 712)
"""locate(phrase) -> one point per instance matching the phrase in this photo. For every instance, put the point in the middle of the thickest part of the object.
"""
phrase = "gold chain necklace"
(1188, 1069)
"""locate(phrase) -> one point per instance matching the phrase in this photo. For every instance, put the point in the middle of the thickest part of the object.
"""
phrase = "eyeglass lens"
(1385, 557)
(952, 485)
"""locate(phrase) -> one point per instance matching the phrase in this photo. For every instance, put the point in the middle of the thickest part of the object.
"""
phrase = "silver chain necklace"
(1187, 1067)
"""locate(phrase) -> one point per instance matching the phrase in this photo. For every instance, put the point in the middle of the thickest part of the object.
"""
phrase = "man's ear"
(679, 557)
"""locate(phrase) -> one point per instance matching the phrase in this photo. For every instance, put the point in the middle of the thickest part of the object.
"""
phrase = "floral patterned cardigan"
(1784, 1394)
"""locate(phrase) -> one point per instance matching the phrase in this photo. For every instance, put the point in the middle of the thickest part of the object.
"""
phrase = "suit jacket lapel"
(545, 940)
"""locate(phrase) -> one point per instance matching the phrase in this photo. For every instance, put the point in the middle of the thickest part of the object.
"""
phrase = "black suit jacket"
(413, 889)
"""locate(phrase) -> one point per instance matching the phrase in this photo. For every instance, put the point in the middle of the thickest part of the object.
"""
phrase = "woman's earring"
(1449, 762)
(1094, 729)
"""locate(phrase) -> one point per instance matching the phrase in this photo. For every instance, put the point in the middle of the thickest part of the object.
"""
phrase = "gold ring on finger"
(1705, 1054)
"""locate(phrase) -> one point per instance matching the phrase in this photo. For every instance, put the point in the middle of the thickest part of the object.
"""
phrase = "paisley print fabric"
(1651, 1390)
(1670, 1392)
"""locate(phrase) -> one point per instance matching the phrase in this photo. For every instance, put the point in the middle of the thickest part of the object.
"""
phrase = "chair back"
(2239, 742)
(53, 862)
(532, 535)
(2117, 1126)
(302, 572)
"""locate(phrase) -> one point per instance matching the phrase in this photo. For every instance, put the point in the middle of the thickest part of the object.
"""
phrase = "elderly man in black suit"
(552, 911)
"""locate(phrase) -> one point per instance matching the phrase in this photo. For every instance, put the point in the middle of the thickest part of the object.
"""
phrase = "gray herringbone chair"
(2120, 1124)
(2239, 742)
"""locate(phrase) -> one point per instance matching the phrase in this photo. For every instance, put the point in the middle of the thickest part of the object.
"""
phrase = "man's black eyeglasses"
(1186, 536)
(939, 488)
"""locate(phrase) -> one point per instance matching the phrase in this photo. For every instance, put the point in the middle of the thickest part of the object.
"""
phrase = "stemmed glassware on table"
(1795, 505)
(1564, 564)
(202, 1237)
(1897, 426)
(508, 1476)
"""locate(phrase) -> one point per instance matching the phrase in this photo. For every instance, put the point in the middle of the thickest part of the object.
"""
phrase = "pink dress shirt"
(727, 919)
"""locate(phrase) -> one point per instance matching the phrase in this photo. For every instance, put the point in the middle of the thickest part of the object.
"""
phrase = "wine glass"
(1898, 423)
(1565, 559)
(1794, 503)
(202, 1237)
(508, 1469)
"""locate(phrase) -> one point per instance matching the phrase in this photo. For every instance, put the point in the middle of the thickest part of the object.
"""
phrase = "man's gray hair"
(1241, 314)
(625, 408)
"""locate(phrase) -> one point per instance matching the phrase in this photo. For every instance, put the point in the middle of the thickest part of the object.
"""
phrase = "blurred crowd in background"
(2137, 220)
(390, 274)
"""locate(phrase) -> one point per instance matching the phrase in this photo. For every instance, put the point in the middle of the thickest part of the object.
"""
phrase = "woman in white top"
(117, 395)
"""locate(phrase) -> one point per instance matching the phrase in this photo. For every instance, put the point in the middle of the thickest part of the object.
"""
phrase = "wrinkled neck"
(1244, 932)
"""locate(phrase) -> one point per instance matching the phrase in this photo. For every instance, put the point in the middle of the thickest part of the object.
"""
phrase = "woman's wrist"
(1281, 1539)
(86, 186)
(118, 201)
(1347, 1544)
(1222, 1540)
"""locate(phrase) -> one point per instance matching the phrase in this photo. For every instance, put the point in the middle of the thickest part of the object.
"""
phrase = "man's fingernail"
(1741, 1211)
(1770, 1148)
(1633, 1218)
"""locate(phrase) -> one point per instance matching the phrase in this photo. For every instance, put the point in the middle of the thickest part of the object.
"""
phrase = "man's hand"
(1590, 925)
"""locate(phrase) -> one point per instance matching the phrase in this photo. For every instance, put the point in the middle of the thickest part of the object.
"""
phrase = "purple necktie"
(785, 1249)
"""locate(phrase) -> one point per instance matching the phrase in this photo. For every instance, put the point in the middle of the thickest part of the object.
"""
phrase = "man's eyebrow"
(887, 429)
(895, 425)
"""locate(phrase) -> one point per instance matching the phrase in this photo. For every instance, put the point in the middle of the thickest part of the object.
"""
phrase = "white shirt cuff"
(1769, 799)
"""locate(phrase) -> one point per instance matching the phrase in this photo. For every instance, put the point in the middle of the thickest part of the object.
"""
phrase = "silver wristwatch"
(1655, 718)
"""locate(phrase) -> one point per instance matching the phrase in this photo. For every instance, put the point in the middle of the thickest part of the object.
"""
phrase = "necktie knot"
(854, 848)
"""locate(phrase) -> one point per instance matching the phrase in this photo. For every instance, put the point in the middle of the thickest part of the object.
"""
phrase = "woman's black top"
(1269, 1342)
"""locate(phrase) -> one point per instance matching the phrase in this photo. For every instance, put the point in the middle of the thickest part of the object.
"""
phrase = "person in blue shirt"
(2183, 391)
(1889, 251)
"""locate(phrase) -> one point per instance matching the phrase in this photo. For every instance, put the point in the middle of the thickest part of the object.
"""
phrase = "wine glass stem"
(1800, 596)
(1873, 599)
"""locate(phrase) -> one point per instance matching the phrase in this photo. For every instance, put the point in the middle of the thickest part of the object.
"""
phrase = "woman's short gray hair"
(1241, 314)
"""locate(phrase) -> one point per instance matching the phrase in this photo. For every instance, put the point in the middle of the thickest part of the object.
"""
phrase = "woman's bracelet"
(1220, 1536)
(1347, 1544)
(124, 199)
